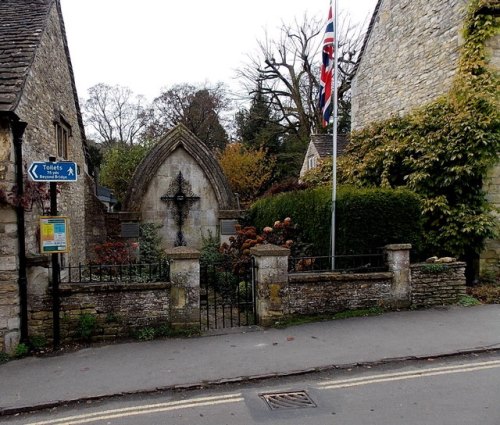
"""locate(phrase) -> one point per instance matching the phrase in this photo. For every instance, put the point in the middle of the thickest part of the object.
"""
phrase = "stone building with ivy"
(39, 118)
(421, 57)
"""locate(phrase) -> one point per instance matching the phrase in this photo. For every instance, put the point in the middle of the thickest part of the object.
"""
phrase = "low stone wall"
(324, 293)
(120, 309)
(437, 284)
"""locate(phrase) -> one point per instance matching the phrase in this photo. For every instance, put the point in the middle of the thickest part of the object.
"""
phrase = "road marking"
(142, 410)
(388, 377)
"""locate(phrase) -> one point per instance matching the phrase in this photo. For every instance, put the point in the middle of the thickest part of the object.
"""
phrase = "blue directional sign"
(63, 171)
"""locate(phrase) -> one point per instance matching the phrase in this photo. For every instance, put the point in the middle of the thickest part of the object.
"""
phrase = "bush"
(366, 219)
(87, 324)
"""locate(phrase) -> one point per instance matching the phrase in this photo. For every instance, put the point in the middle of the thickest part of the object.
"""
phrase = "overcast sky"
(150, 44)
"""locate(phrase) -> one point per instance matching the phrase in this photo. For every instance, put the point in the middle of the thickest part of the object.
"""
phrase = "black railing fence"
(119, 273)
(358, 263)
(227, 296)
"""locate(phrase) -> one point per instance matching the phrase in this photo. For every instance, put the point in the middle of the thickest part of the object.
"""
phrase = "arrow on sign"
(32, 171)
(64, 171)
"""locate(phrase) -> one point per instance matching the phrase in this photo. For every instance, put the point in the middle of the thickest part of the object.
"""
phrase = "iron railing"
(358, 263)
(227, 298)
(119, 273)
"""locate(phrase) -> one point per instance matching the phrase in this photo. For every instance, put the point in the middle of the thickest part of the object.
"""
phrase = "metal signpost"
(55, 228)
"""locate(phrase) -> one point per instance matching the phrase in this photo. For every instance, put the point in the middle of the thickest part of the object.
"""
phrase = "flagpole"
(334, 141)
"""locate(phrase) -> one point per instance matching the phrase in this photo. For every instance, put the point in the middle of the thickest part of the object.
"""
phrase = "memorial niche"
(181, 188)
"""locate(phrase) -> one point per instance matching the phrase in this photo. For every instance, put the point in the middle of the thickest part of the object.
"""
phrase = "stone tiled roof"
(324, 144)
(21, 26)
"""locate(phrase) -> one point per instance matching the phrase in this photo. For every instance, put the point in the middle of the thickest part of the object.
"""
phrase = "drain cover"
(288, 400)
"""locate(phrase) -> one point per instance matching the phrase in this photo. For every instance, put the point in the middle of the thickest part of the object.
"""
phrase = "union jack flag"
(327, 69)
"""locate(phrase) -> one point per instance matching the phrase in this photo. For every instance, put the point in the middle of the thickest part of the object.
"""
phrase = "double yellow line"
(388, 377)
(142, 410)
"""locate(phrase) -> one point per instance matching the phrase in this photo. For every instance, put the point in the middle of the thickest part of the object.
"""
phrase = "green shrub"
(150, 250)
(22, 350)
(38, 342)
(87, 324)
(146, 334)
(366, 219)
(4, 357)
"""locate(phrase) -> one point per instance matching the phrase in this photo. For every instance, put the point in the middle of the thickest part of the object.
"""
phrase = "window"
(63, 132)
(311, 162)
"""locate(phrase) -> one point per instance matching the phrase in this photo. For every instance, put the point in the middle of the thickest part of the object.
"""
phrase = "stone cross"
(181, 198)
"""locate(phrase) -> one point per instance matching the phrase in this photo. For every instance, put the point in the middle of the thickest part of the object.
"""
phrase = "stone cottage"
(39, 118)
(321, 147)
(180, 187)
(409, 58)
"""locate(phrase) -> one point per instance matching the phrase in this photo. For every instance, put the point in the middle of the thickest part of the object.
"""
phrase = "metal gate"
(227, 296)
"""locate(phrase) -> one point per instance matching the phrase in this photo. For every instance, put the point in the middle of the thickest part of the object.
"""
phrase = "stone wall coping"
(338, 277)
(269, 250)
(398, 247)
(74, 288)
(456, 264)
(182, 253)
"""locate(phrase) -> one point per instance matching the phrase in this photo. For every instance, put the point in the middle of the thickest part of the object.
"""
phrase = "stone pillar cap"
(182, 253)
(269, 250)
(398, 247)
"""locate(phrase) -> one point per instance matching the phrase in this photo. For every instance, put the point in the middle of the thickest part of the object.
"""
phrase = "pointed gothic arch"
(180, 137)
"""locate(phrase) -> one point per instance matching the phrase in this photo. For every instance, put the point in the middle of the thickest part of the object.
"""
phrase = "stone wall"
(48, 94)
(95, 214)
(120, 309)
(490, 257)
(409, 60)
(9, 289)
(437, 284)
(325, 293)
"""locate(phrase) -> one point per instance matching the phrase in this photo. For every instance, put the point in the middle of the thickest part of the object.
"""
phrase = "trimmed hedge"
(366, 219)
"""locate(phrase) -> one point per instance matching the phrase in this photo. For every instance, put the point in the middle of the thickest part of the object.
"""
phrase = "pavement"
(141, 367)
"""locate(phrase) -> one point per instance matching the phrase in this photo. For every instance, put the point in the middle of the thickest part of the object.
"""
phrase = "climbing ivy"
(443, 150)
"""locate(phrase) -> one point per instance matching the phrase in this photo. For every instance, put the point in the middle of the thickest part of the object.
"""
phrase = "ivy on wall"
(443, 150)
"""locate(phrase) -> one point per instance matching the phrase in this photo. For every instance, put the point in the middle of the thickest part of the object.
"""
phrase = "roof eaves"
(19, 93)
(367, 36)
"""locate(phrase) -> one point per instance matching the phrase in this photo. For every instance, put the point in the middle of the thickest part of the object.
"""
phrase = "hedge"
(366, 219)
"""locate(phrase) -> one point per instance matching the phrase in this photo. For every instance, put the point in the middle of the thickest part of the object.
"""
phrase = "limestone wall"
(437, 284)
(120, 309)
(48, 93)
(328, 293)
(490, 257)
(9, 290)
(410, 59)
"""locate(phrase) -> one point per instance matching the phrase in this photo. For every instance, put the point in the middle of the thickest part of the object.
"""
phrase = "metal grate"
(288, 400)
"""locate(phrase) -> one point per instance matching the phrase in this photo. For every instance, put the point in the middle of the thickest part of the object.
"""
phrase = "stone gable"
(180, 151)
(410, 57)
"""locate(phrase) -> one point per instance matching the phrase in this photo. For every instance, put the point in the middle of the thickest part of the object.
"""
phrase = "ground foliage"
(444, 150)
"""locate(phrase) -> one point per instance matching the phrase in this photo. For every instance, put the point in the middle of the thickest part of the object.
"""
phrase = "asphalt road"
(463, 390)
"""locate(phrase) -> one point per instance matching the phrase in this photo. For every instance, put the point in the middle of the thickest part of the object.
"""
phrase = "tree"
(248, 170)
(114, 114)
(199, 109)
(257, 126)
(287, 72)
(119, 165)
